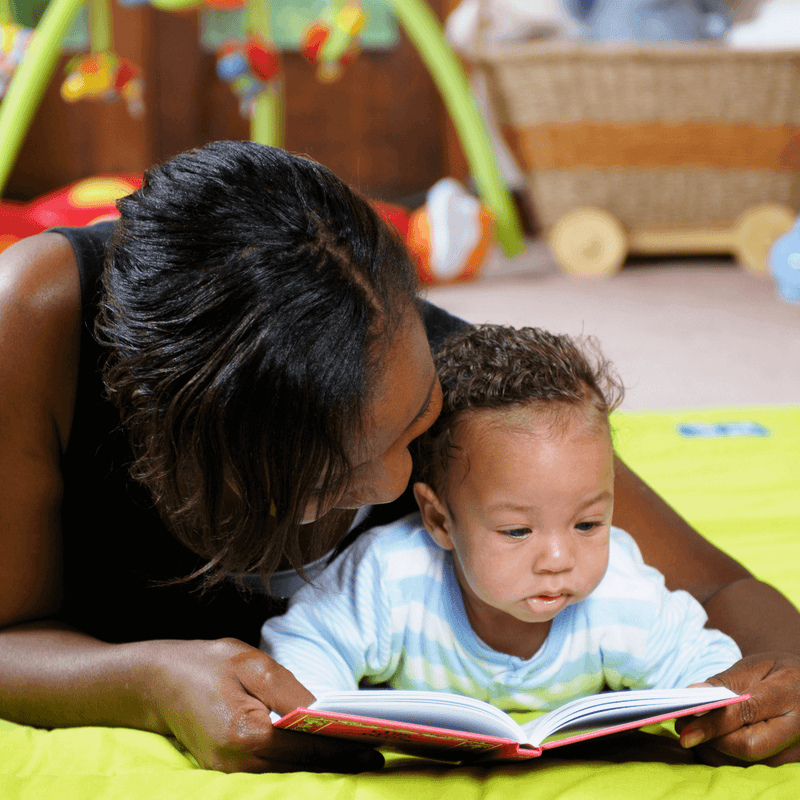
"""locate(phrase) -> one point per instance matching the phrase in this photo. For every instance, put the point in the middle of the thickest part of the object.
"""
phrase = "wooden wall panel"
(381, 127)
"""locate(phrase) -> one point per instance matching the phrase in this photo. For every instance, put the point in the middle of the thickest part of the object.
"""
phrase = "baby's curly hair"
(498, 367)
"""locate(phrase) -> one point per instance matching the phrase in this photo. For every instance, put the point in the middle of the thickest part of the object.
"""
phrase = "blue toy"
(651, 20)
(784, 264)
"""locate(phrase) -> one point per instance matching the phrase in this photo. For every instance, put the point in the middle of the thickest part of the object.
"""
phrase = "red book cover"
(453, 745)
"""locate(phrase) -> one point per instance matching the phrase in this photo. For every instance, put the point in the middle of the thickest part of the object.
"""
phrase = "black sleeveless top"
(116, 548)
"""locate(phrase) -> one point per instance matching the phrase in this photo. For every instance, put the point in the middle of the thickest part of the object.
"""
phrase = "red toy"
(81, 203)
(397, 216)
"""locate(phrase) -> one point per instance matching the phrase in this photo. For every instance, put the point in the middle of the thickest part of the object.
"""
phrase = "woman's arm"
(764, 624)
(215, 696)
(669, 543)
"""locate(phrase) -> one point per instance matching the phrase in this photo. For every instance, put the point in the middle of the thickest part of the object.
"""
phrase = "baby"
(510, 584)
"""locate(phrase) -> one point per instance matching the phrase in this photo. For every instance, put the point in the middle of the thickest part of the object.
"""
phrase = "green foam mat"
(734, 473)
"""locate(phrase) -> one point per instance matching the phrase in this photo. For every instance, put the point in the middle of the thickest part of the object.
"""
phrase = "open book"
(453, 727)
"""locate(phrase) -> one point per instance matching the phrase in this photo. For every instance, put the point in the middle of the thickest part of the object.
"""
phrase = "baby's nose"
(556, 554)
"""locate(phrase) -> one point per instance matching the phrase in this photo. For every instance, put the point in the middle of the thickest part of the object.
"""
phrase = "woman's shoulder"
(40, 272)
(40, 323)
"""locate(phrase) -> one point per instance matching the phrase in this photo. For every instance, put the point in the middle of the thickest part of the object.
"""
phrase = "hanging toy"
(104, 76)
(251, 67)
(332, 46)
(14, 41)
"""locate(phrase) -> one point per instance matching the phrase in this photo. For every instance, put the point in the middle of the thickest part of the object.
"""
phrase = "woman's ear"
(434, 515)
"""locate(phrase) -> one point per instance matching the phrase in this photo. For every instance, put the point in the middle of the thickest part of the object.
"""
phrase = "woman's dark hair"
(500, 367)
(248, 297)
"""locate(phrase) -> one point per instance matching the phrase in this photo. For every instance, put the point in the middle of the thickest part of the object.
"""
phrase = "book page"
(615, 708)
(435, 709)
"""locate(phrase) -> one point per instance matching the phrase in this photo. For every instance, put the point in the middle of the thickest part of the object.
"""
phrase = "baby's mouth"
(544, 601)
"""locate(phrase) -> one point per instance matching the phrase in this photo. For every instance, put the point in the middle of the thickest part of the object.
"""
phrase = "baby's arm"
(681, 650)
(337, 631)
(668, 644)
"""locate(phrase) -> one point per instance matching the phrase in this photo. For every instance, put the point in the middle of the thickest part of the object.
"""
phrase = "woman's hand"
(765, 728)
(215, 697)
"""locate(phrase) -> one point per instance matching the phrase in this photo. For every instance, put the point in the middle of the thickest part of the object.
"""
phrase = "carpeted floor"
(683, 333)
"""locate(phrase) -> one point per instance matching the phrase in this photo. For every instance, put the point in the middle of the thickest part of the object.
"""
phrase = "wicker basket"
(665, 141)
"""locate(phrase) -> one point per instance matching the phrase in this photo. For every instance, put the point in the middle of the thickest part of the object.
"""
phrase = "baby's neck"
(505, 633)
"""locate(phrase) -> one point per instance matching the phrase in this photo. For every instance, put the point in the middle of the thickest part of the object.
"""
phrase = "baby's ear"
(434, 515)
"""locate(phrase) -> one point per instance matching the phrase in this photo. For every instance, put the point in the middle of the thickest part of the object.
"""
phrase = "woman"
(268, 360)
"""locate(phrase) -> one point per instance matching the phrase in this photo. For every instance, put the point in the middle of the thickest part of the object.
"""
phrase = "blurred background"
(381, 126)
(606, 128)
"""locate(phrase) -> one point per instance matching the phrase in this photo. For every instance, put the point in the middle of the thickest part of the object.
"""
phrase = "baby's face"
(530, 510)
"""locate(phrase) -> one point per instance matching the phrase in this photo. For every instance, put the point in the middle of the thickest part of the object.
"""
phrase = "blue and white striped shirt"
(390, 610)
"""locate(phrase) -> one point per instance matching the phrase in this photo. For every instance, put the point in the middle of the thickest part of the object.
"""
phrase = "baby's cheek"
(484, 579)
(593, 567)
(600, 564)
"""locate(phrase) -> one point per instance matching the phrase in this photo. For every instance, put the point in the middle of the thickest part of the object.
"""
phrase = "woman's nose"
(386, 482)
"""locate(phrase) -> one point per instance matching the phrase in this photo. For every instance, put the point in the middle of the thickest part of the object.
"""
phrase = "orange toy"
(451, 235)
(81, 203)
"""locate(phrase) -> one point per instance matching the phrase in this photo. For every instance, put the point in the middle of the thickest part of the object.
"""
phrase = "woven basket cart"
(652, 150)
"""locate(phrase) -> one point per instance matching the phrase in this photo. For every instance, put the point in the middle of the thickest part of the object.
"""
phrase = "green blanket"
(741, 490)
(733, 473)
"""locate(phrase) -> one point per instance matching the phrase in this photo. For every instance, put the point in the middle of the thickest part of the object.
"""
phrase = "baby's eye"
(587, 527)
(516, 533)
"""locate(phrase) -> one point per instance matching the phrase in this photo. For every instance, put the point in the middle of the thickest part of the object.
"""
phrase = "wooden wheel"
(589, 243)
(756, 231)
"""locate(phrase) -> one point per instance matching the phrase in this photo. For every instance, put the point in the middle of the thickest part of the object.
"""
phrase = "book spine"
(406, 737)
